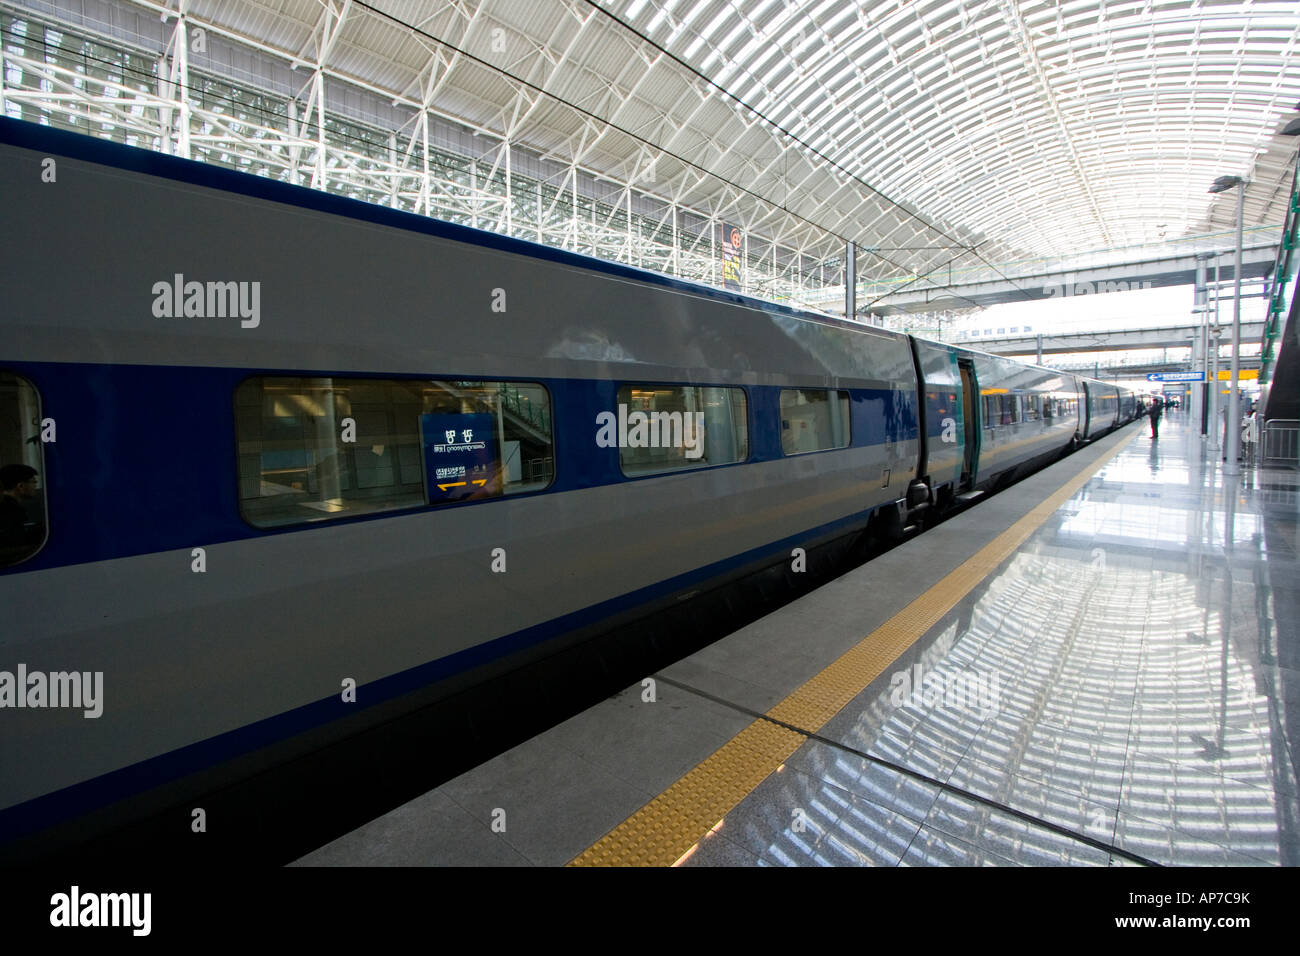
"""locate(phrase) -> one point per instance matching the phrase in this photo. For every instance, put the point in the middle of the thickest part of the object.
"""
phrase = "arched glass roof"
(937, 134)
(1040, 127)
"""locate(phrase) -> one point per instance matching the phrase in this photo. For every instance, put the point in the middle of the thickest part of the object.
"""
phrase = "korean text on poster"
(461, 457)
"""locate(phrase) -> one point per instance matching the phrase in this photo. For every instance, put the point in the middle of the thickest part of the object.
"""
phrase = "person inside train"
(19, 534)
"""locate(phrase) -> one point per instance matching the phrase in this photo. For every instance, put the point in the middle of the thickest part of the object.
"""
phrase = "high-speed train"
(290, 465)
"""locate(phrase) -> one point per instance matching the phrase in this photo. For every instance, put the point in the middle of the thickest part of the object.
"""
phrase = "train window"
(1000, 410)
(670, 427)
(22, 497)
(813, 419)
(311, 449)
(1031, 408)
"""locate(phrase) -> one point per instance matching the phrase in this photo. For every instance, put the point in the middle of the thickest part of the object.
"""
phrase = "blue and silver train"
(293, 465)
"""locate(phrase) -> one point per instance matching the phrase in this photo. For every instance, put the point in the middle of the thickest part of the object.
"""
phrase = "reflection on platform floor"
(1123, 689)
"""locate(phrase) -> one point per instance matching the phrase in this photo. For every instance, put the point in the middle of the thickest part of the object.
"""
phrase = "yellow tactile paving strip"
(662, 831)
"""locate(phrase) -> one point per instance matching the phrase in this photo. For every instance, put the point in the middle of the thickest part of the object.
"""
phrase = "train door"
(970, 414)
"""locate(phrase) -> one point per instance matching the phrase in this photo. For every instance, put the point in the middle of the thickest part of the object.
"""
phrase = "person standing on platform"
(1156, 408)
(1249, 435)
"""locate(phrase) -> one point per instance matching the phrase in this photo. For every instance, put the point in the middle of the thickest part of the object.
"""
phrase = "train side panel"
(944, 416)
(1026, 413)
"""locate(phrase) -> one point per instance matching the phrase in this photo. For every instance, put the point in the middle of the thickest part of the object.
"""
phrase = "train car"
(304, 465)
(1008, 418)
(1029, 415)
(1103, 408)
(1128, 407)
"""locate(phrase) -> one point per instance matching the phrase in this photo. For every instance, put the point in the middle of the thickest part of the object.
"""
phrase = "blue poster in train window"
(461, 456)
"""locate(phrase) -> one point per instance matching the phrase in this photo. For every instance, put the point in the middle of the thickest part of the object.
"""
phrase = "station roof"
(930, 131)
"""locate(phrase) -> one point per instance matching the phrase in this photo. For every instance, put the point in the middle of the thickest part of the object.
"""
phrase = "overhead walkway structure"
(1159, 337)
(1133, 370)
(1039, 280)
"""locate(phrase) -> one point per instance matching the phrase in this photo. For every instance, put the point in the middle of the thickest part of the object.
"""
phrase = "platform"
(1098, 666)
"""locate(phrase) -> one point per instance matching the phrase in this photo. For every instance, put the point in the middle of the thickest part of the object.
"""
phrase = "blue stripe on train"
(146, 457)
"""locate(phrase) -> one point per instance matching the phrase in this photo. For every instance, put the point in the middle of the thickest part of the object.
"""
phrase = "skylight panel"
(717, 23)
(757, 68)
(736, 33)
(660, 15)
(692, 12)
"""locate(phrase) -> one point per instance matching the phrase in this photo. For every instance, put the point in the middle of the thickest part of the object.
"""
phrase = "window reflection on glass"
(813, 420)
(315, 448)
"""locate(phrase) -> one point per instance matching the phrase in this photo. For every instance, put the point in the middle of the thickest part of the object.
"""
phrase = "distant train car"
(304, 465)
(1103, 408)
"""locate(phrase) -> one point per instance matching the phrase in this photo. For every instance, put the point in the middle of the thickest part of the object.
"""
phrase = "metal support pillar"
(677, 264)
(392, 163)
(1200, 304)
(175, 118)
(1233, 466)
(318, 177)
(713, 251)
(744, 261)
(475, 200)
(424, 168)
(850, 280)
(1212, 425)
(295, 150)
